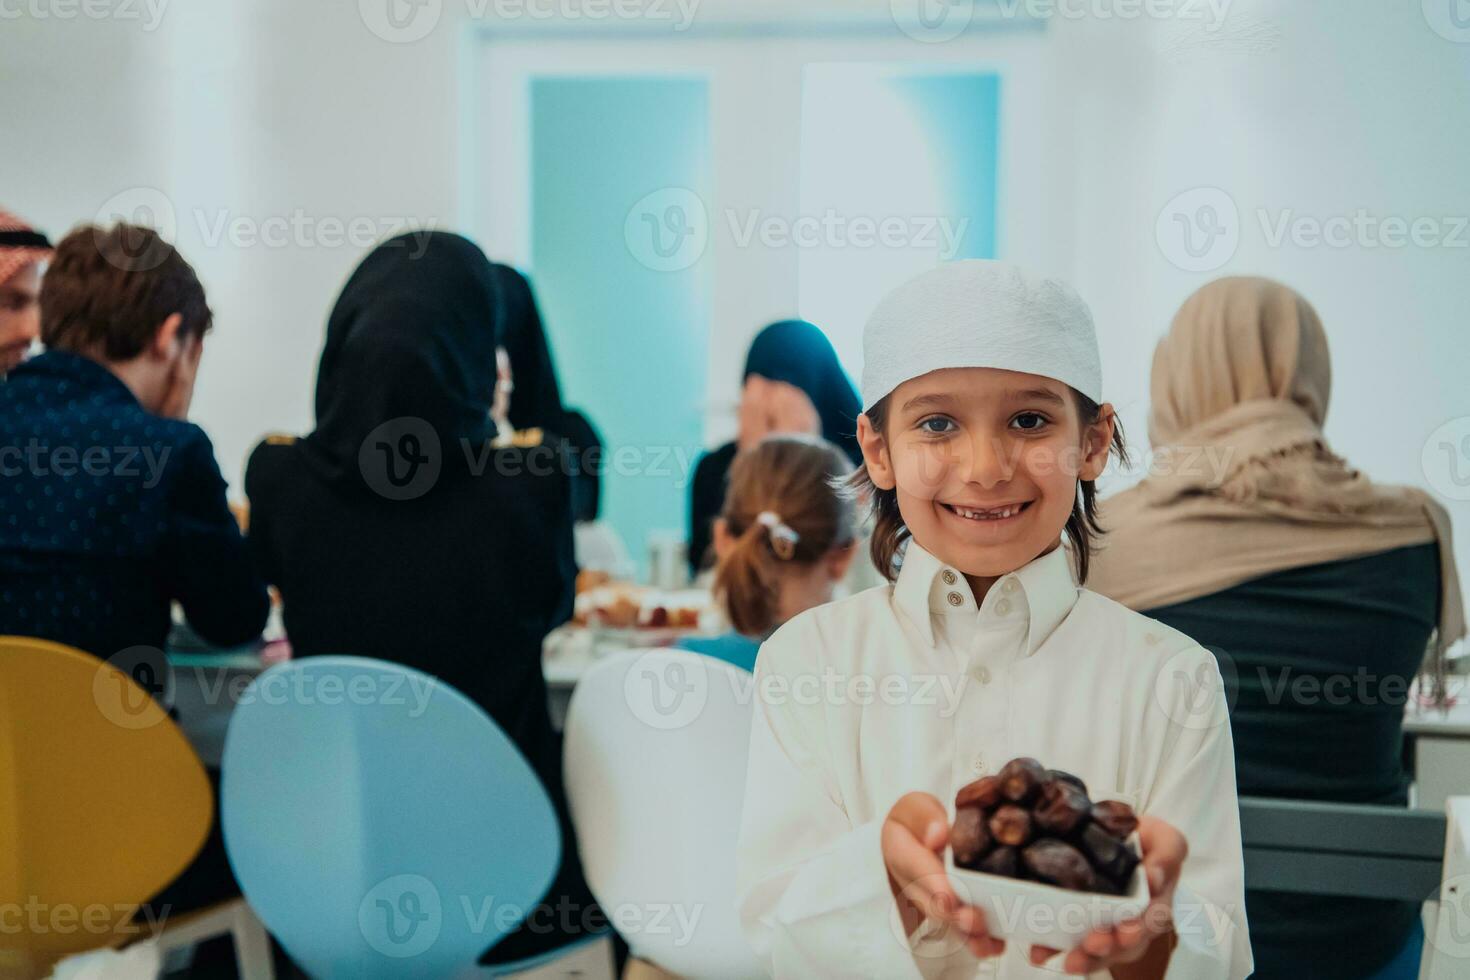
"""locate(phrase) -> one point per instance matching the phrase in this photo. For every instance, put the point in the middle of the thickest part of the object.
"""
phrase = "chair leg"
(252, 946)
(588, 960)
(234, 919)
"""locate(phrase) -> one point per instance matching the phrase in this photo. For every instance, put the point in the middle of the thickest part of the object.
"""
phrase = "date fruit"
(983, 792)
(1059, 863)
(1020, 779)
(1067, 777)
(1003, 861)
(1012, 825)
(1113, 858)
(970, 838)
(1060, 808)
(1115, 817)
(1032, 823)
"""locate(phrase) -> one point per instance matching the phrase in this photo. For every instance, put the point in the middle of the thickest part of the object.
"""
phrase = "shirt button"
(978, 766)
(1151, 638)
(982, 674)
(1010, 587)
(948, 576)
(955, 599)
(1003, 606)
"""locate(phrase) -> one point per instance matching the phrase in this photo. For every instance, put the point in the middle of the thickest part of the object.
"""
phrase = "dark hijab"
(798, 353)
(536, 402)
(413, 335)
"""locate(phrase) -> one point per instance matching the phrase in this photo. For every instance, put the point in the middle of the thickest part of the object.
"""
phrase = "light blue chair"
(379, 822)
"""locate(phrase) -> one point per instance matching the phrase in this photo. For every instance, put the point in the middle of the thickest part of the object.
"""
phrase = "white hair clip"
(783, 539)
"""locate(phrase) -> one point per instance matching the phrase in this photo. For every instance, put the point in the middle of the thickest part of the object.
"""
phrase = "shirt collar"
(927, 588)
(90, 377)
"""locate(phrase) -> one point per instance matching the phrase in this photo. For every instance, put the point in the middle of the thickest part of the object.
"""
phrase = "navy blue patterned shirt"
(108, 513)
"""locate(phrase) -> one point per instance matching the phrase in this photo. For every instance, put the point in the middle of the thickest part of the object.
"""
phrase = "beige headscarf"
(1243, 483)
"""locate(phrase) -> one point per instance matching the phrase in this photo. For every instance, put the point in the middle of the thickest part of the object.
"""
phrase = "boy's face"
(985, 463)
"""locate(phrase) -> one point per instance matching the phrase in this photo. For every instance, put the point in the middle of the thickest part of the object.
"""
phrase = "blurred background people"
(1255, 539)
(784, 539)
(400, 529)
(793, 383)
(23, 252)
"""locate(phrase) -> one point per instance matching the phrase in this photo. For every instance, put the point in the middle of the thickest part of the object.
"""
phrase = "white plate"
(1046, 915)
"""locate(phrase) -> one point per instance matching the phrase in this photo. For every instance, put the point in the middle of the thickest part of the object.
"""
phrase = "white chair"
(1447, 922)
(655, 753)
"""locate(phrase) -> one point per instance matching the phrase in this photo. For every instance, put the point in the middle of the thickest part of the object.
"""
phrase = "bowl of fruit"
(1045, 862)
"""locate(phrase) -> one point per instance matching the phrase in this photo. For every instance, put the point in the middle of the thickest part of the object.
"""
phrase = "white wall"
(265, 109)
(1319, 109)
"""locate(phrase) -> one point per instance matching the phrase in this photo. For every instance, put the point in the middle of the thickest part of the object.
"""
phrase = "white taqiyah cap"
(980, 313)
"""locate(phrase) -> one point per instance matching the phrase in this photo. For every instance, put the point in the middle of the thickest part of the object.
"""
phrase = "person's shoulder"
(713, 463)
(1142, 639)
(271, 460)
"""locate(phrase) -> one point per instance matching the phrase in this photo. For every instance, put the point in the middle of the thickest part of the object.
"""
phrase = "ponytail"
(747, 581)
(784, 512)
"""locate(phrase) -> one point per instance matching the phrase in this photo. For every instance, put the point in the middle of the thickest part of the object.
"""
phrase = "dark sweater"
(108, 513)
(1318, 661)
(706, 500)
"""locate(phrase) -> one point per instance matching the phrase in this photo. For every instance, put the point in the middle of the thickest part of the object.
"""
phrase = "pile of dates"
(1038, 824)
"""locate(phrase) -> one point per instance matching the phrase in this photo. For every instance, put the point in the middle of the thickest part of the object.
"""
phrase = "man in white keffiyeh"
(22, 252)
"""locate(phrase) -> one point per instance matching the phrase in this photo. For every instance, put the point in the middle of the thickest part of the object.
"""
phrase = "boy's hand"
(914, 836)
(1164, 851)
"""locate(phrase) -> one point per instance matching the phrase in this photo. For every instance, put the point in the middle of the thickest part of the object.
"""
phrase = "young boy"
(983, 434)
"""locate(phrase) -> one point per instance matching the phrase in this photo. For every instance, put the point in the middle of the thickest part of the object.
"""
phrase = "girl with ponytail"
(783, 540)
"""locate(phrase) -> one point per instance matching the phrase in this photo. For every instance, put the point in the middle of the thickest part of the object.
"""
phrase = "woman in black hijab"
(793, 354)
(535, 402)
(395, 530)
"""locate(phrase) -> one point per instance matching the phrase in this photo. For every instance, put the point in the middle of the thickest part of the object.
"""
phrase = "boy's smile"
(985, 464)
(985, 525)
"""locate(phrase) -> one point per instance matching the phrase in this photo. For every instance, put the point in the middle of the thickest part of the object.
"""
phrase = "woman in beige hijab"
(1321, 592)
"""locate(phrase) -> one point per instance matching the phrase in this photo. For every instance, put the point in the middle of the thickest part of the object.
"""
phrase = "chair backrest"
(378, 821)
(102, 803)
(656, 746)
(1447, 935)
(1341, 849)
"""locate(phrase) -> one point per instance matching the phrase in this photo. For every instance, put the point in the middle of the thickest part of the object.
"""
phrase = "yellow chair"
(102, 803)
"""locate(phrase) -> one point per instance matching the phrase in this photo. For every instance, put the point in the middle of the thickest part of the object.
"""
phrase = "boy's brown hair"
(107, 291)
(796, 478)
(890, 532)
